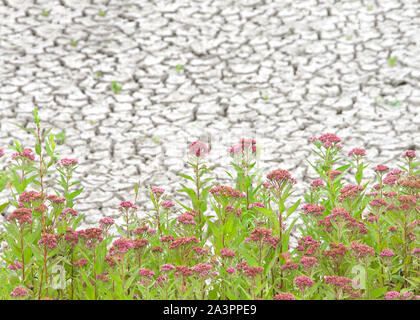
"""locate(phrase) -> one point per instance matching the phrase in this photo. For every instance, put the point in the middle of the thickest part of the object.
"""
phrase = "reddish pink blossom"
(228, 253)
(139, 243)
(230, 270)
(19, 292)
(198, 148)
(80, 263)
(25, 154)
(183, 241)
(415, 252)
(409, 154)
(200, 251)
(357, 152)
(342, 282)
(167, 267)
(105, 222)
(391, 295)
(1, 153)
(167, 204)
(68, 162)
(284, 296)
(56, 199)
(186, 219)
(308, 262)
(202, 269)
(332, 174)
(337, 250)
(29, 196)
(350, 192)
(381, 168)
(303, 281)
(22, 215)
(167, 238)
(147, 273)
(289, 266)
(69, 211)
(49, 240)
(141, 230)
(362, 250)
(126, 205)
(317, 183)
(227, 192)
(256, 205)
(252, 272)
(387, 253)
(123, 245)
(313, 209)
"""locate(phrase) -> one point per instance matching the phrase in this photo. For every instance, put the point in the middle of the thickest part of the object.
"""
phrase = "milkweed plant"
(356, 241)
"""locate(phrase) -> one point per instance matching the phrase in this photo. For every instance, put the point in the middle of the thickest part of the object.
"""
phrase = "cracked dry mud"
(279, 71)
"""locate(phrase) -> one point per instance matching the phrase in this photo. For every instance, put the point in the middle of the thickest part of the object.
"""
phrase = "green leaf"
(75, 193)
(3, 206)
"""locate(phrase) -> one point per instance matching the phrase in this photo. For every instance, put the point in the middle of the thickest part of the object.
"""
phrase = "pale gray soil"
(279, 71)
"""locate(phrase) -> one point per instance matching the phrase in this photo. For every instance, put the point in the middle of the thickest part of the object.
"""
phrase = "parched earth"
(279, 71)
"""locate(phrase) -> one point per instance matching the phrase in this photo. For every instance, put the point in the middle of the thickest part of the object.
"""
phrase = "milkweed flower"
(228, 253)
(387, 253)
(167, 267)
(22, 215)
(49, 240)
(127, 205)
(167, 204)
(65, 162)
(26, 154)
(362, 250)
(230, 270)
(1, 153)
(308, 262)
(284, 296)
(198, 149)
(80, 263)
(147, 273)
(317, 183)
(391, 295)
(357, 152)
(409, 154)
(123, 245)
(381, 168)
(303, 281)
(19, 292)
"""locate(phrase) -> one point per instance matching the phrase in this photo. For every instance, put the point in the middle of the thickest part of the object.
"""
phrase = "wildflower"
(227, 253)
(157, 249)
(147, 273)
(183, 241)
(91, 234)
(15, 265)
(350, 192)
(29, 196)
(259, 234)
(289, 266)
(357, 152)
(387, 253)
(55, 199)
(141, 230)
(337, 250)
(198, 149)
(253, 271)
(284, 296)
(123, 245)
(332, 174)
(19, 292)
(106, 222)
(1, 153)
(49, 240)
(167, 267)
(167, 238)
(200, 251)
(391, 295)
(26, 154)
(409, 154)
(313, 209)
(183, 270)
(256, 205)
(81, 263)
(227, 192)
(68, 162)
(23, 215)
(126, 205)
(202, 268)
(362, 250)
(70, 211)
(338, 281)
(167, 204)
(415, 252)
(412, 182)
(308, 262)
(242, 266)
(186, 219)
(317, 183)
(139, 243)
(71, 236)
(410, 199)
(303, 281)
(381, 168)
(230, 270)
(157, 192)
(279, 176)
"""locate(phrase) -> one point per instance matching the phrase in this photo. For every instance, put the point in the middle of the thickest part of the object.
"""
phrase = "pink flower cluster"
(186, 219)
(49, 240)
(198, 149)
(313, 209)
(303, 281)
(65, 162)
(244, 146)
(127, 205)
(409, 154)
(25, 154)
(328, 140)
(357, 152)
(19, 292)
(228, 253)
(23, 215)
(182, 242)
(284, 296)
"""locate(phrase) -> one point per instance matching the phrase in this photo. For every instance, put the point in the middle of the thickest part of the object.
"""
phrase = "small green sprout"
(392, 61)
(60, 137)
(116, 87)
(179, 67)
(102, 13)
(73, 42)
(265, 96)
(45, 13)
(98, 74)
